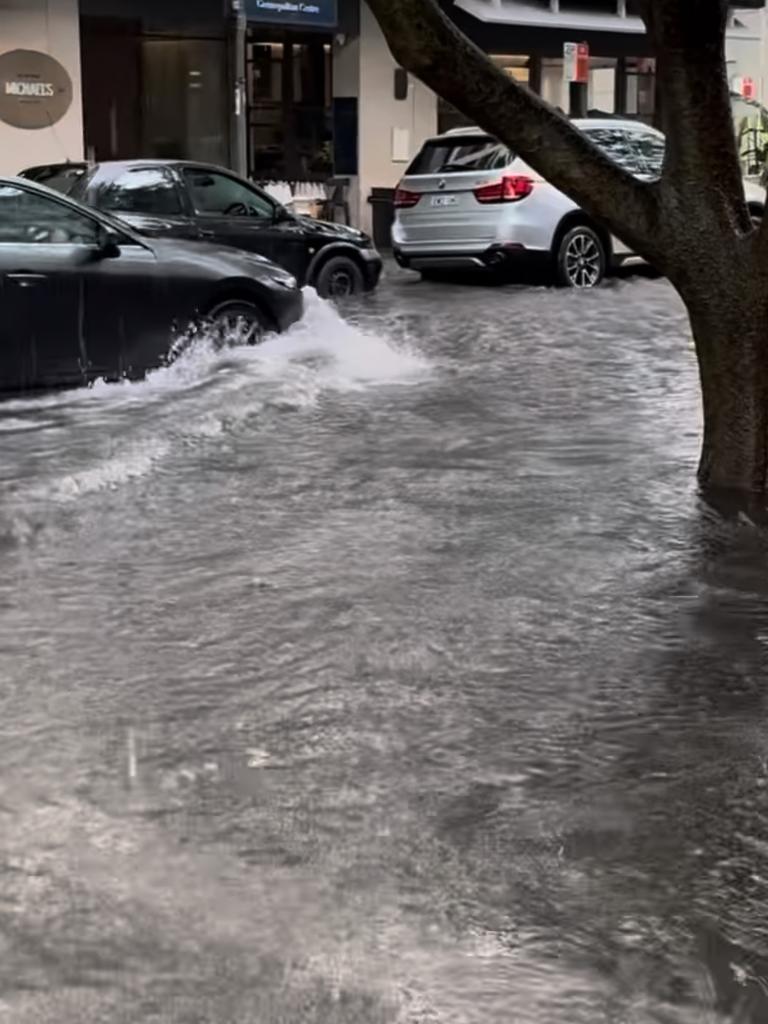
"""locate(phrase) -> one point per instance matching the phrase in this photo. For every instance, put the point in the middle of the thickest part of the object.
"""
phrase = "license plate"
(444, 200)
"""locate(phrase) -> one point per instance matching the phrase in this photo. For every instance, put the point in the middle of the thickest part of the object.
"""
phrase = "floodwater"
(391, 673)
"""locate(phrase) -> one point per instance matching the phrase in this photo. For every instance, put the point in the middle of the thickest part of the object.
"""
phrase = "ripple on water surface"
(389, 672)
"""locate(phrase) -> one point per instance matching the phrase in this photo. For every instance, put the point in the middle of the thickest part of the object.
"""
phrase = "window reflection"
(184, 96)
(218, 194)
(26, 218)
(479, 154)
(290, 106)
(144, 190)
(620, 147)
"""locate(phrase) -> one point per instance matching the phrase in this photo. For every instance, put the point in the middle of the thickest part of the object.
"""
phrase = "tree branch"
(701, 167)
(427, 43)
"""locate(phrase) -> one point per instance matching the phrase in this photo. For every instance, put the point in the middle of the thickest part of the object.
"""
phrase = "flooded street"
(389, 673)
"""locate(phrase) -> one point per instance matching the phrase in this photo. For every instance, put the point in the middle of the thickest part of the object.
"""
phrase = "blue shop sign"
(303, 13)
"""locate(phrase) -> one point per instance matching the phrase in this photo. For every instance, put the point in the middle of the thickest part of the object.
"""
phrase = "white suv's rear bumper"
(429, 254)
(453, 256)
(517, 227)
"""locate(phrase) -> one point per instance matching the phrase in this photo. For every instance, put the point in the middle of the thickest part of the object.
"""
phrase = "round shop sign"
(35, 90)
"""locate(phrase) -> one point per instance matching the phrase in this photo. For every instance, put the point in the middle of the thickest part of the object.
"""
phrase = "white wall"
(365, 68)
(553, 88)
(381, 114)
(602, 89)
(52, 27)
(746, 50)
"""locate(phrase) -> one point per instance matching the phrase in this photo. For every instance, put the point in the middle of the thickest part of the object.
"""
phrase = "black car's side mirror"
(107, 244)
(281, 215)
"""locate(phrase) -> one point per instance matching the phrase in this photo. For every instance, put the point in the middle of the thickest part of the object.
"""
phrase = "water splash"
(202, 395)
(341, 354)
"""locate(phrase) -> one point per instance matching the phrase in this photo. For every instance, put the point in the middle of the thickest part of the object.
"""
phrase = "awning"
(536, 15)
(540, 14)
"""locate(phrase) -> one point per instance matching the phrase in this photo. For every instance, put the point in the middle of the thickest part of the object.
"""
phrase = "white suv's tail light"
(405, 199)
(510, 189)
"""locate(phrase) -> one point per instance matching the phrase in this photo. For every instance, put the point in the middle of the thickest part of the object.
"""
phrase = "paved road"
(392, 672)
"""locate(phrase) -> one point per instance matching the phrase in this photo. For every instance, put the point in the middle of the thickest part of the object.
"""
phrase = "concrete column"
(390, 131)
(552, 83)
(346, 85)
(52, 27)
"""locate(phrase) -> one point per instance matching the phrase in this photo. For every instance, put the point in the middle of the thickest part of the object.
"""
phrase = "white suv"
(468, 202)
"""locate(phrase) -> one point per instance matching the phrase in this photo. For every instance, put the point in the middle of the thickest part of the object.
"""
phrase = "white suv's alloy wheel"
(581, 258)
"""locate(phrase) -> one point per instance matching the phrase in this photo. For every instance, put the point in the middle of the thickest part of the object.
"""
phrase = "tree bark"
(692, 224)
(729, 329)
(701, 163)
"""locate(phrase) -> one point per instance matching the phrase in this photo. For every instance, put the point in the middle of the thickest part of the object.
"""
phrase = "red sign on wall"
(576, 62)
(745, 86)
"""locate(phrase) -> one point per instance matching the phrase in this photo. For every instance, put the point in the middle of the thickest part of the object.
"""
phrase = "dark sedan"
(82, 296)
(181, 199)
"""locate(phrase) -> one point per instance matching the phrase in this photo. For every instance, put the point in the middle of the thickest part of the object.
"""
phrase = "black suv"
(180, 199)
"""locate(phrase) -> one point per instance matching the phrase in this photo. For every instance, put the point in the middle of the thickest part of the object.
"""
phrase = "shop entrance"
(154, 88)
(290, 113)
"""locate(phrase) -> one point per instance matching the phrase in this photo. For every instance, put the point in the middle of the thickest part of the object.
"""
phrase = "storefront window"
(155, 79)
(514, 65)
(290, 112)
(185, 111)
(602, 85)
(641, 88)
(750, 120)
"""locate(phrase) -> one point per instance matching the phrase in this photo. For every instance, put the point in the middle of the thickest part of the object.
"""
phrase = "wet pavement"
(391, 672)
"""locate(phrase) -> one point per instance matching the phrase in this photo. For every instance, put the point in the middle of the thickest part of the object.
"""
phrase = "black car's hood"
(154, 226)
(336, 232)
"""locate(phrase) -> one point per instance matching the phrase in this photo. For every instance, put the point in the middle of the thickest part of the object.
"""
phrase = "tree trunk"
(730, 327)
(692, 224)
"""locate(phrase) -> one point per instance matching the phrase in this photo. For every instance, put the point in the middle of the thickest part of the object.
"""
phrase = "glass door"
(289, 106)
(185, 112)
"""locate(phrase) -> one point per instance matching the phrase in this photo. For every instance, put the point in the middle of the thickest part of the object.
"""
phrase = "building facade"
(291, 91)
(39, 128)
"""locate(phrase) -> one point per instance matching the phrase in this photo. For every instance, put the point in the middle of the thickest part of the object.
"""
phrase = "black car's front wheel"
(339, 278)
(236, 322)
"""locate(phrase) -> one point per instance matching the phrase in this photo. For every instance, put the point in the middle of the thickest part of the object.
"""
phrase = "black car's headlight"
(285, 281)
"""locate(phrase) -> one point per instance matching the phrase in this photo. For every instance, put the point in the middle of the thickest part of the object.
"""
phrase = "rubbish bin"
(383, 202)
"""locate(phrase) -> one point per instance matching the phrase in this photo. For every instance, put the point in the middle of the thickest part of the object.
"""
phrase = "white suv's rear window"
(452, 156)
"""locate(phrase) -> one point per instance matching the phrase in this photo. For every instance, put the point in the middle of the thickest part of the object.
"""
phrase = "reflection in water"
(390, 673)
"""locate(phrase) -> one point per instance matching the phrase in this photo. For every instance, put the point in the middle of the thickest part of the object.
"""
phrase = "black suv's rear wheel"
(237, 322)
(339, 278)
(581, 259)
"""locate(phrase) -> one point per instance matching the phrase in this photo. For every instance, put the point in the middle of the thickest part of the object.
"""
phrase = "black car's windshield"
(144, 190)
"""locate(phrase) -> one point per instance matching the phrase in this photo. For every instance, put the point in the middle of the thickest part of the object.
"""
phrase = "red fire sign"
(576, 62)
